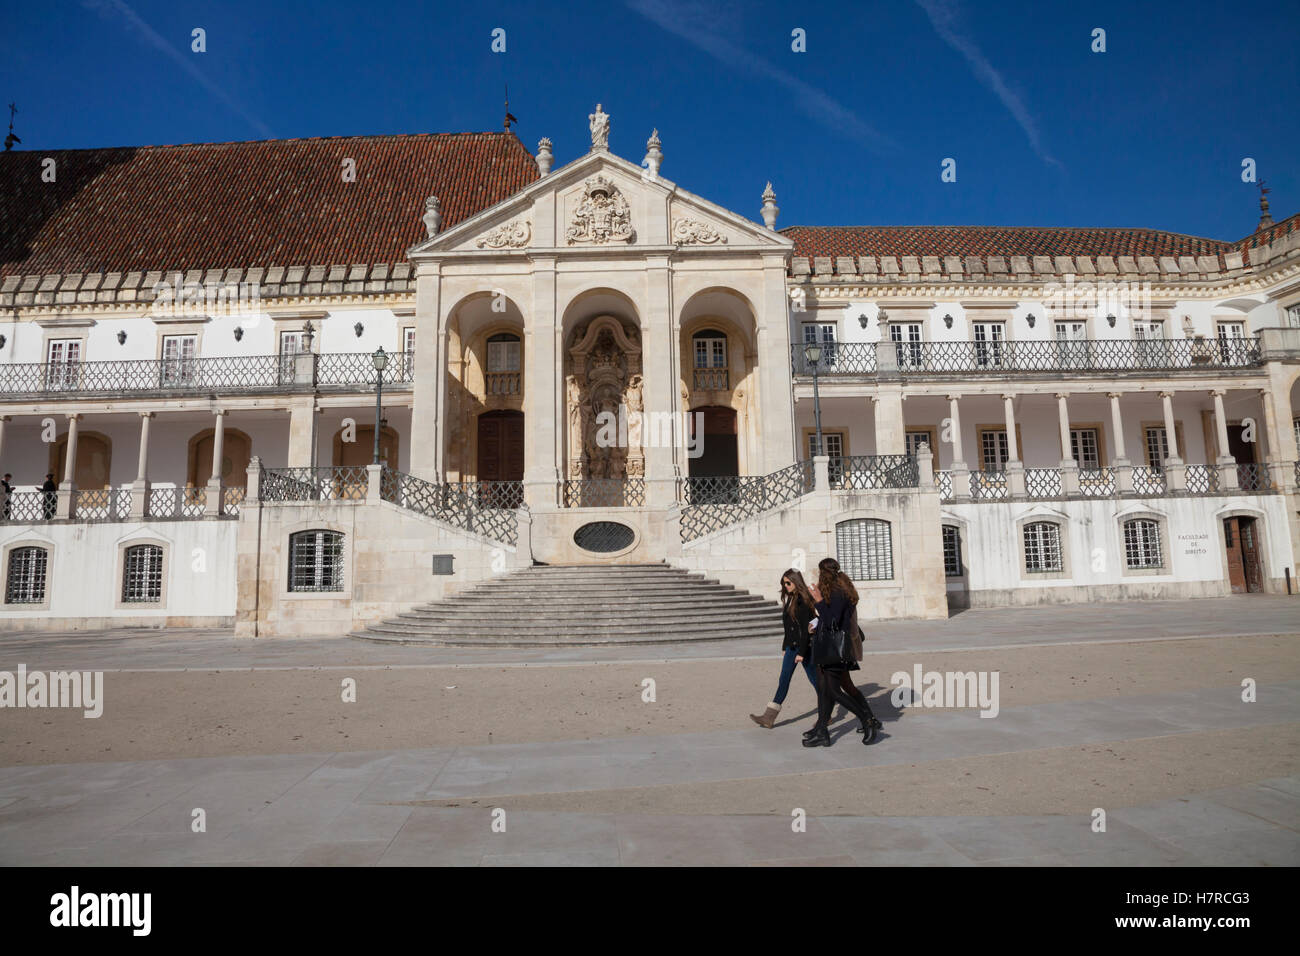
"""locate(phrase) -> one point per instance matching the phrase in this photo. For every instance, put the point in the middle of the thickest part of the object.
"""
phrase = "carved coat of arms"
(603, 214)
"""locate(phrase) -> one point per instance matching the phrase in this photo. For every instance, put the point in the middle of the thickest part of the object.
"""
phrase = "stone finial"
(654, 155)
(599, 124)
(432, 215)
(1265, 218)
(544, 156)
(770, 209)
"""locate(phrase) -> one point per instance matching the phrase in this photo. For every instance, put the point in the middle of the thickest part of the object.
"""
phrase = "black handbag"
(832, 647)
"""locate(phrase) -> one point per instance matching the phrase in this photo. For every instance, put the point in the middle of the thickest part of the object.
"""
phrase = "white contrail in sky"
(943, 17)
(689, 22)
(184, 60)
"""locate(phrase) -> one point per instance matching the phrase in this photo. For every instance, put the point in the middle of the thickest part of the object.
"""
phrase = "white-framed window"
(1042, 547)
(408, 340)
(710, 349)
(25, 580)
(989, 337)
(179, 366)
(1085, 448)
(1142, 544)
(1293, 316)
(912, 442)
(1151, 349)
(503, 353)
(906, 337)
(995, 451)
(1157, 446)
(1232, 344)
(316, 561)
(142, 574)
(1072, 344)
(864, 548)
(952, 551)
(823, 334)
(63, 361)
(291, 344)
(834, 442)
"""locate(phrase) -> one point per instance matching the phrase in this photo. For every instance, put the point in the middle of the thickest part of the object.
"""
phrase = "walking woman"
(797, 611)
(837, 600)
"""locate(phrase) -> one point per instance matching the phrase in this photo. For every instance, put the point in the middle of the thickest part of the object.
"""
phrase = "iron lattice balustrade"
(1252, 476)
(343, 483)
(943, 479)
(710, 504)
(839, 358)
(101, 504)
(232, 373)
(1040, 355)
(1201, 479)
(604, 493)
(185, 502)
(29, 506)
(988, 484)
(458, 504)
(232, 499)
(1043, 482)
(862, 472)
(604, 537)
(1148, 481)
(1097, 482)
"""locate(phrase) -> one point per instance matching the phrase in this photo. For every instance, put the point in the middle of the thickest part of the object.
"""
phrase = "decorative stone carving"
(602, 216)
(599, 123)
(544, 156)
(432, 217)
(654, 156)
(688, 231)
(606, 375)
(770, 208)
(511, 235)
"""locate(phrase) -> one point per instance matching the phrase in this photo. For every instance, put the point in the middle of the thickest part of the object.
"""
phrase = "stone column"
(68, 487)
(1015, 467)
(1223, 462)
(959, 470)
(542, 392)
(212, 499)
(3, 419)
(890, 430)
(775, 399)
(1069, 464)
(1123, 467)
(659, 390)
(1271, 458)
(302, 433)
(428, 430)
(1175, 474)
(140, 487)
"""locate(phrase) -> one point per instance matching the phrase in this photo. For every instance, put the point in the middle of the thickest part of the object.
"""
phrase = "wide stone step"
(512, 637)
(466, 604)
(625, 617)
(501, 588)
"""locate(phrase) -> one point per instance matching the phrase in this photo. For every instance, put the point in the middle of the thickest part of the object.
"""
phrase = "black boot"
(869, 729)
(821, 737)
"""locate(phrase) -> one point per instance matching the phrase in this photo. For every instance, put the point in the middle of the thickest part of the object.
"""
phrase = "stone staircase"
(592, 604)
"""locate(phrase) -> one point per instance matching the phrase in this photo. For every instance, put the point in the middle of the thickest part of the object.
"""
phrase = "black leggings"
(835, 686)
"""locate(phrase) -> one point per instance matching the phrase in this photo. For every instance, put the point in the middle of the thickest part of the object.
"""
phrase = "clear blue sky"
(852, 132)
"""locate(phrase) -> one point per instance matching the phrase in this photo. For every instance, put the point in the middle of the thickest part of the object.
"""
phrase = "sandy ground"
(158, 714)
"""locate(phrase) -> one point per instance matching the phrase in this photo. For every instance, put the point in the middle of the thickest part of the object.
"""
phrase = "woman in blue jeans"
(797, 611)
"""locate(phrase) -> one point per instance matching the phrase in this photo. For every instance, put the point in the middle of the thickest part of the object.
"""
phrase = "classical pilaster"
(659, 389)
(302, 433)
(775, 404)
(542, 392)
(428, 430)
(890, 431)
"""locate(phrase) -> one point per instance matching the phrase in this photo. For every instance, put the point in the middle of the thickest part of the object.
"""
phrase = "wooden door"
(1236, 565)
(501, 446)
(717, 451)
(1251, 558)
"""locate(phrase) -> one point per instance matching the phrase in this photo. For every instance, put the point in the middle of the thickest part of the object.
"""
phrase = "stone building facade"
(592, 364)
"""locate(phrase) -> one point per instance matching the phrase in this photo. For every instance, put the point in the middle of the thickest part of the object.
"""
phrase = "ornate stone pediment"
(511, 235)
(690, 231)
(602, 216)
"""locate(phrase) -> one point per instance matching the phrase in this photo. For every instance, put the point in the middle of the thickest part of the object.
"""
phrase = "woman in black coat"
(797, 611)
(836, 599)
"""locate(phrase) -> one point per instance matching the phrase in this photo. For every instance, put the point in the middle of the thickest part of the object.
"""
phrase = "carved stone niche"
(604, 374)
(602, 215)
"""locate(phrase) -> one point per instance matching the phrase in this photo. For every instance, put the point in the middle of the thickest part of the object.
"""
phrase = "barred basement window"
(864, 548)
(316, 561)
(952, 551)
(1142, 544)
(1042, 546)
(142, 574)
(26, 583)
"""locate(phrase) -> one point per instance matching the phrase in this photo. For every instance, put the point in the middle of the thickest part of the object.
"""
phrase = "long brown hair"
(801, 593)
(831, 579)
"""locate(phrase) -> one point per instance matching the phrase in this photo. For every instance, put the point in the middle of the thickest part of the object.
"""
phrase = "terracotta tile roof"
(1005, 241)
(1279, 230)
(243, 205)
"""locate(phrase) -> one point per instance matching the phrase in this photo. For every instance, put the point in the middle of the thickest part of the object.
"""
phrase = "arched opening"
(361, 450)
(94, 460)
(236, 451)
(712, 449)
(500, 446)
(719, 364)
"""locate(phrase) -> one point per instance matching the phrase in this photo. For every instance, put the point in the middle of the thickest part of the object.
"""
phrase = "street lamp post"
(813, 353)
(380, 360)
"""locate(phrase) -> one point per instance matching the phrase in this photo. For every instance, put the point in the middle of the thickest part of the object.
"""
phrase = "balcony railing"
(712, 503)
(1047, 355)
(486, 508)
(711, 379)
(314, 484)
(988, 484)
(604, 493)
(1143, 482)
(504, 383)
(228, 374)
(863, 472)
(163, 503)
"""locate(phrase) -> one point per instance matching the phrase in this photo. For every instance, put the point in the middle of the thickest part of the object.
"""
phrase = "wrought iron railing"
(1043, 482)
(343, 483)
(232, 499)
(1097, 482)
(29, 506)
(1201, 479)
(101, 504)
(874, 471)
(234, 373)
(711, 379)
(709, 504)
(1042, 355)
(494, 494)
(456, 504)
(988, 484)
(1252, 476)
(604, 493)
(1148, 481)
(188, 501)
(943, 479)
(842, 358)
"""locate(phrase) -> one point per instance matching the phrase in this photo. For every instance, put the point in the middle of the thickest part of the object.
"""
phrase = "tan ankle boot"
(769, 716)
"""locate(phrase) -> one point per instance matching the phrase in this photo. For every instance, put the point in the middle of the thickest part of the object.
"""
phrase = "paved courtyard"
(537, 756)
